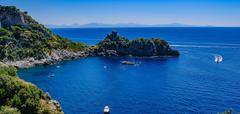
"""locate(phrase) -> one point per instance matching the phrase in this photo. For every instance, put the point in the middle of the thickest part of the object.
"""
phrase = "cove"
(191, 83)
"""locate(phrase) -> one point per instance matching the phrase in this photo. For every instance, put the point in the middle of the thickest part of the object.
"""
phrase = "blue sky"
(195, 12)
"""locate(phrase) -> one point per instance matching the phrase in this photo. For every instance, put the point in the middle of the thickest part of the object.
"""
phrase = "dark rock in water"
(117, 45)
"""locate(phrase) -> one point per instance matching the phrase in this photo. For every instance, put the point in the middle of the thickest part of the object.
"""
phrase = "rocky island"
(25, 43)
(116, 45)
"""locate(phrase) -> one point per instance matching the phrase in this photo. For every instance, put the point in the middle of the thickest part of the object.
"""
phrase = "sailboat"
(218, 58)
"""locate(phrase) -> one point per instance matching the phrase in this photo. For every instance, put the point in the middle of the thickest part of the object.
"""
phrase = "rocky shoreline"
(112, 46)
(53, 58)
(61, 55)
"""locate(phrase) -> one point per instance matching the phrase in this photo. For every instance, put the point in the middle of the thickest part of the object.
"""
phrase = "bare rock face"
(9, 16)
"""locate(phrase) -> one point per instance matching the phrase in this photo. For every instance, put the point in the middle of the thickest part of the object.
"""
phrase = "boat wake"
(203, 45)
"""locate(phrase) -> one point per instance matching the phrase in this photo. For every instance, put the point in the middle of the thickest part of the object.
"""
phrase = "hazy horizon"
(190, 12)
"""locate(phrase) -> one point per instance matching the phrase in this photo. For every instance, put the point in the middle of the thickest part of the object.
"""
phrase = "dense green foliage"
(19, 95)
(32, 39)
(17, 43)
(138, 47)
(58, 42)
(114, 42)
(9, 110)
(7, 70)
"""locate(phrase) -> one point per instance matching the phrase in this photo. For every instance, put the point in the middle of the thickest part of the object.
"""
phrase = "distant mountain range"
(103, 25)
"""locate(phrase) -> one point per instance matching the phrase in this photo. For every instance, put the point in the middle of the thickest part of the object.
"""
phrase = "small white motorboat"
(106, 110)
(218, 58)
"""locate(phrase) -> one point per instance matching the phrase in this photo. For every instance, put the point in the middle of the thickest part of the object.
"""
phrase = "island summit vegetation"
(116, 45)
(25, 42)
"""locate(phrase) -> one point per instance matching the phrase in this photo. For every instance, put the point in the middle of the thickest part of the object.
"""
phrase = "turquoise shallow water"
(190, 83)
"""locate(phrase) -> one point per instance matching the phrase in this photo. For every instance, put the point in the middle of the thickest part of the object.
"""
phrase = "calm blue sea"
(191, 83)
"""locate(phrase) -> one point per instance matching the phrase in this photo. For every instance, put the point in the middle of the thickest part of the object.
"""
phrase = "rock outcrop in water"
(115, 45)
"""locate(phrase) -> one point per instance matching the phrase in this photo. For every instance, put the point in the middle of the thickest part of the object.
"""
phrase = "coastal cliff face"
(115, 45)
(11, 17)
(22, 38)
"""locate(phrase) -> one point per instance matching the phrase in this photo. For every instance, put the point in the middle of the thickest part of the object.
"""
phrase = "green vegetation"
(9, 110)
(17, 43)
(138, 47)
(29, 38)
(18, 96)
(7, 70)
(58, 42)
(114, 42)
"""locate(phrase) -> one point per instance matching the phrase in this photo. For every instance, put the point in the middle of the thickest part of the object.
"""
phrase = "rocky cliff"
(10, 16)
(115, 45)
(21, 38)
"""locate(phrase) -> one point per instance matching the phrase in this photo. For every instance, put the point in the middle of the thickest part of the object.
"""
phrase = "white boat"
(218, 58)
(106, 110)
